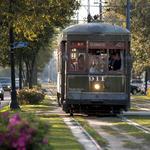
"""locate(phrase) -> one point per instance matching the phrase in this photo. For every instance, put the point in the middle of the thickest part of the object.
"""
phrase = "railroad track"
(138, 126)
(78, 131)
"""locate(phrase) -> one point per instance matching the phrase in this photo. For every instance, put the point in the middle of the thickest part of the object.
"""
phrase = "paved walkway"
(82, 136)
(78, 131)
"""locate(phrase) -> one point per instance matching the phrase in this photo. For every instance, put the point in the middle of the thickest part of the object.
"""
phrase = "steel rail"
(136, 125)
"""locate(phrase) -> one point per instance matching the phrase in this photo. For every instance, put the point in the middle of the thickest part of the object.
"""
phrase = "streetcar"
(94, 66)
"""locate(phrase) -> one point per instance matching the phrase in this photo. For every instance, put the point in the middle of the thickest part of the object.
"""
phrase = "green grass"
(132, 145)
(141, 97)
(6, 108)
(58, 134)
(100, 140)
(139, 101)
(117, 133)
(111, 131)
(142, 120)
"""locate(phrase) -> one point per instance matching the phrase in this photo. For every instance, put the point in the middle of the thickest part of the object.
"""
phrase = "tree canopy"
(35, 22)
(140, 29)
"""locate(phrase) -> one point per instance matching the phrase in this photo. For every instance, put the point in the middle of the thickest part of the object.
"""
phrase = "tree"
(115, 12)
(141, 34)
(140, 30)
(34, 21)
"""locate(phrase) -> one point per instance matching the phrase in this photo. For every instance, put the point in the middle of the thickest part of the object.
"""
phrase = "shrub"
(148, 92)
(21, 134)
(30, 96)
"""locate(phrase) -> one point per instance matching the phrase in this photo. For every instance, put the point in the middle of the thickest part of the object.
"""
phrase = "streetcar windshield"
(115, 60)
(98, 59)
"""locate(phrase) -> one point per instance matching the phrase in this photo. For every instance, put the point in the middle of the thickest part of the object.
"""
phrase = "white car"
(148, 84)
(139, 84)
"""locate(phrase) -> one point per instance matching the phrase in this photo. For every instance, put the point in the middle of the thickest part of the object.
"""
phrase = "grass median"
(59, 136)
(140, 103)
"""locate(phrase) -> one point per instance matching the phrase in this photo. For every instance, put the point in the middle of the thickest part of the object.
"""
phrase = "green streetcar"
(94, 66)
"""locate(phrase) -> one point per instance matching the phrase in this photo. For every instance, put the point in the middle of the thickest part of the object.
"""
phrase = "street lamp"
(14, 104)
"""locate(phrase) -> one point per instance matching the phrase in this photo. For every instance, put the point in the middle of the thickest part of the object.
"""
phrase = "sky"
(83, 11)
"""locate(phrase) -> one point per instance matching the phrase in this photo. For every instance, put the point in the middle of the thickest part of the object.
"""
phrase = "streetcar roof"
(99, 32)
(95, 28)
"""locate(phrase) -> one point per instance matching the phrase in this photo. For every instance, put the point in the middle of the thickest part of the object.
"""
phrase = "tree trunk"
(31, 69)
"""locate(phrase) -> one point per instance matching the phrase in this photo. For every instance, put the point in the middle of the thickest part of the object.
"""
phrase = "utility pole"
(14, 103)
(77, 17)
(100, 10)
(89, 15)
(128, 24)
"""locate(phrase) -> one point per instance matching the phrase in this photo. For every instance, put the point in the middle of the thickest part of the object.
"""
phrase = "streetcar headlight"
(97, 86)
(8, 87)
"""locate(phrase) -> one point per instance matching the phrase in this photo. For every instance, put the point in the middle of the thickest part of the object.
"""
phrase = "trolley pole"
(14, 103)
(128, 24)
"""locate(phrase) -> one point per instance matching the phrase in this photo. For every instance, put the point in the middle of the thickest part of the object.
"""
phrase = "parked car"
(137, 82)
(148, 84)
(17, 83)
(134, 89)
(6, 83)
(137, 86)
(1, 92)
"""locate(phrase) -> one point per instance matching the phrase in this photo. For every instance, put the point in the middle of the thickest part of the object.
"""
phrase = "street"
(6, 100)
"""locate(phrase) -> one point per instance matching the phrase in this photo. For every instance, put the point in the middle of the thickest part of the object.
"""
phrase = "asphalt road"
(6, 100)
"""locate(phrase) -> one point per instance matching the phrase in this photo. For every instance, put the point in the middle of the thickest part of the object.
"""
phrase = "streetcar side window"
(73, 58)
(77, 60)
(115, 60)
(81, 62)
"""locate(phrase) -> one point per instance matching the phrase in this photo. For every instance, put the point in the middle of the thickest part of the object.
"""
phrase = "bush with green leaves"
(148, 92)
(30, 96)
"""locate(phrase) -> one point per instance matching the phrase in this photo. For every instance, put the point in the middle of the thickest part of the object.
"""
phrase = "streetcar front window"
(97, 60)
(115, 60)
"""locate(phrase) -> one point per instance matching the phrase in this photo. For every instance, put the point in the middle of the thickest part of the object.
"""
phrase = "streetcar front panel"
(89, 89)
